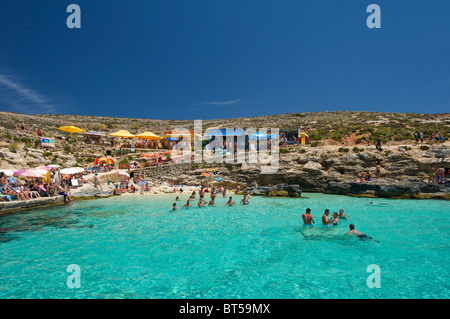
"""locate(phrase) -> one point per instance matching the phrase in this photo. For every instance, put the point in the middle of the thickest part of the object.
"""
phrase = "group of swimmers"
(202, 202)
(308, 220)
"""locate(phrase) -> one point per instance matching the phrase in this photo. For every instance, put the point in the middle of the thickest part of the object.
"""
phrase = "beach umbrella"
(122, 133)
(170, 138)
(70, 129)
(149, 136)
(33, 173)
(122, 173)
(258, 135)
(7, 172)
(108, 160)
(72, 170)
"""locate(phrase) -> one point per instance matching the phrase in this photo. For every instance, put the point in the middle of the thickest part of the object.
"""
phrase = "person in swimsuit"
(308, 218)
(211, 202)
(244, 201)
(201, 203)
(230, 202)
(174, 207)
(188, 203)
(378, 170)
(358, 234)
(335, 219)
(342, 215)
(325, 220)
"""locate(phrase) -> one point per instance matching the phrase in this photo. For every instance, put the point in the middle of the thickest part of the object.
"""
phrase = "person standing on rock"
(378, 170)
(308, 218)
(97, 182)
(440, 173)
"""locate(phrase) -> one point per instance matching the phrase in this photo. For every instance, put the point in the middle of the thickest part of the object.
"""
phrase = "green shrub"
(314, 144)
(302, 150)
(424, 148)
(343, 149)
(14, 147)
(284, 151)
(387, 152)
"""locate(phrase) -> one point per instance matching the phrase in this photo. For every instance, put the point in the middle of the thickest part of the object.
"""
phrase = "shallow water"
(137, 247)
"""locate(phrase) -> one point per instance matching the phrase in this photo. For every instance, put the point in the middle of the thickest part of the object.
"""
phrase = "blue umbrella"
(258, 135)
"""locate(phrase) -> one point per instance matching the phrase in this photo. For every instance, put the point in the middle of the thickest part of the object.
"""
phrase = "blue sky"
(203, 59)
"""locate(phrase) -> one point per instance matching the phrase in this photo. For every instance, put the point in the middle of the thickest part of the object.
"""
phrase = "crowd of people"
(13, 189)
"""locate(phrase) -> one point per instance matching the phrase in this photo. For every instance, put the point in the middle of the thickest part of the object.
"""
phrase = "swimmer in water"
(308, 218)
(188, 203)
(342, 215)
(230, 202)
(325, 220)
(358, 234)
(174, 207)
(211, 202)
(201, 202)
(244, 201)
(335, 219)
(177, 199)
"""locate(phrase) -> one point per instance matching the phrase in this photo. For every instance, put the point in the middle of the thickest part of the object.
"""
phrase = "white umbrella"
(34, 173)
(123, 173)
(7, 172)
(72, 170)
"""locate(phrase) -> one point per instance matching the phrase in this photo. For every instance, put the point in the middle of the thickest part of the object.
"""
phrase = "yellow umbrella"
(149, 136)
(122, 133)
(70, 129)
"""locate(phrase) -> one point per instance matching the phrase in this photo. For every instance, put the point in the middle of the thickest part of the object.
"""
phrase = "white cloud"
(222, 103)
(22, 98)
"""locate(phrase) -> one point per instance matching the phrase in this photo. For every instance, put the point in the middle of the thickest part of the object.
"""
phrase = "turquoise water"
(137, 247)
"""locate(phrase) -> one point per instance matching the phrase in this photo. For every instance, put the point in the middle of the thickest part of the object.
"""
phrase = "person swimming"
(174, 207)
(244, 201)
(325, 220)
(359, 234)
(342, 215)
(230, 202)
(188, 203)
(334, 221)
(308, 218)
(201, 202)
